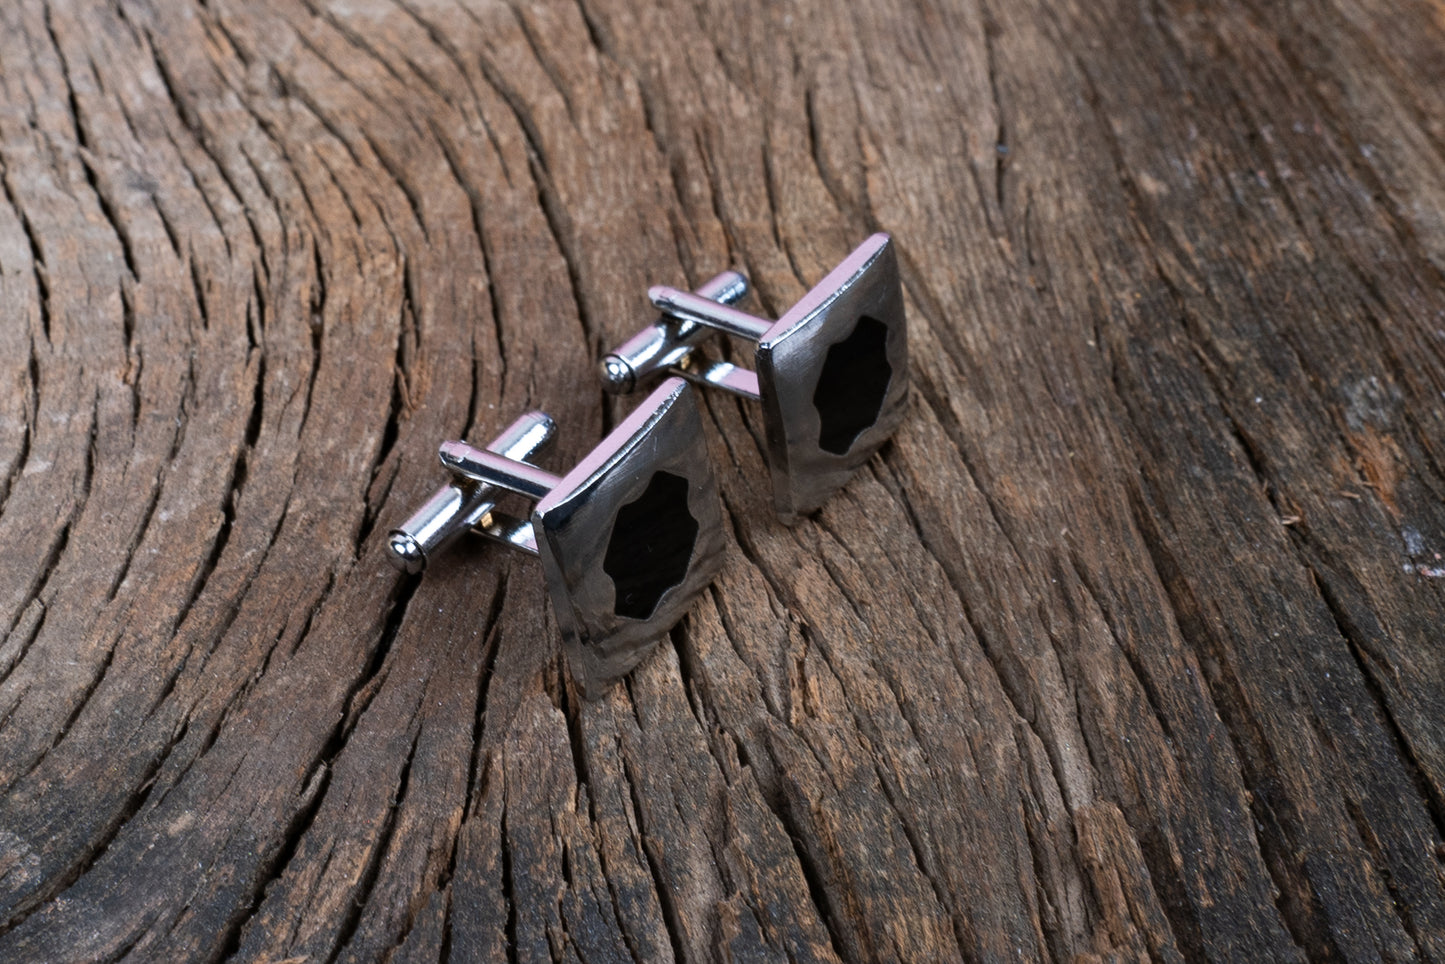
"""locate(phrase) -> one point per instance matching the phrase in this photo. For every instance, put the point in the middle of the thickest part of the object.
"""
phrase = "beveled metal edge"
(828, 290)
(604, 456)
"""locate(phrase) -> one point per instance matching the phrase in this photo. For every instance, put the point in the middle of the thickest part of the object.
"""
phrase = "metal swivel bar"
(464, 504)
(669, 344)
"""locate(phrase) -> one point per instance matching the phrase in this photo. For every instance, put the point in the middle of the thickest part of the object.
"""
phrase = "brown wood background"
(1128, 646)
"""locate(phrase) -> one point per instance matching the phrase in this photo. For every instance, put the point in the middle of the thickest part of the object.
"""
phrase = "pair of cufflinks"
(630, 535)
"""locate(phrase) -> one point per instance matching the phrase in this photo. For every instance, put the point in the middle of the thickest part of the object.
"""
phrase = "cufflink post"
(462, 504)
(498, 470)
(667, 345)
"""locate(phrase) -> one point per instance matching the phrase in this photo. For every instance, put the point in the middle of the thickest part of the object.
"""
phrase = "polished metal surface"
(719, 374)
(510, 531)
(576, 524)
(832, 373)
(480, 465)
(665, 343)
(460, 504)
(686, 307)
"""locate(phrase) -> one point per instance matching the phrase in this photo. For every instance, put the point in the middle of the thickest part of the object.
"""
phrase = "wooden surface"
(1128, 646)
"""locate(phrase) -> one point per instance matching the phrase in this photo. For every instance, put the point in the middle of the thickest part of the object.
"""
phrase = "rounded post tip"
(617, 376)
(730, 287)
(405, 552)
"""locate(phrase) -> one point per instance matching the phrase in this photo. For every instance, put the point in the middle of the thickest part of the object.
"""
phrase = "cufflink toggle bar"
(464, 504)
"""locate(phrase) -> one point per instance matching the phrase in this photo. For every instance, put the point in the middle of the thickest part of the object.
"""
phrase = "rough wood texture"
(1128, 646)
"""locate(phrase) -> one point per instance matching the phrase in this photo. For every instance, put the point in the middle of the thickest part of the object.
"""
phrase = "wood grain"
(1128, 646)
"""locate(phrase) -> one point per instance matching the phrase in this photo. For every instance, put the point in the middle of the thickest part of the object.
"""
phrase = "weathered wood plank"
(1127, 646)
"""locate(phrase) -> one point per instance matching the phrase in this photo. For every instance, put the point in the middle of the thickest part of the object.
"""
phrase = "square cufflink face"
(630, 536)
(833, 375)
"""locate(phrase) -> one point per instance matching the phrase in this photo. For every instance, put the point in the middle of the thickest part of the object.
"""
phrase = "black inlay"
(650, 546)
(852, 385)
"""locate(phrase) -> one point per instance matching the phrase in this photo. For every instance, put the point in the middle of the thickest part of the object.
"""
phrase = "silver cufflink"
(832, 373)
(626, 539)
